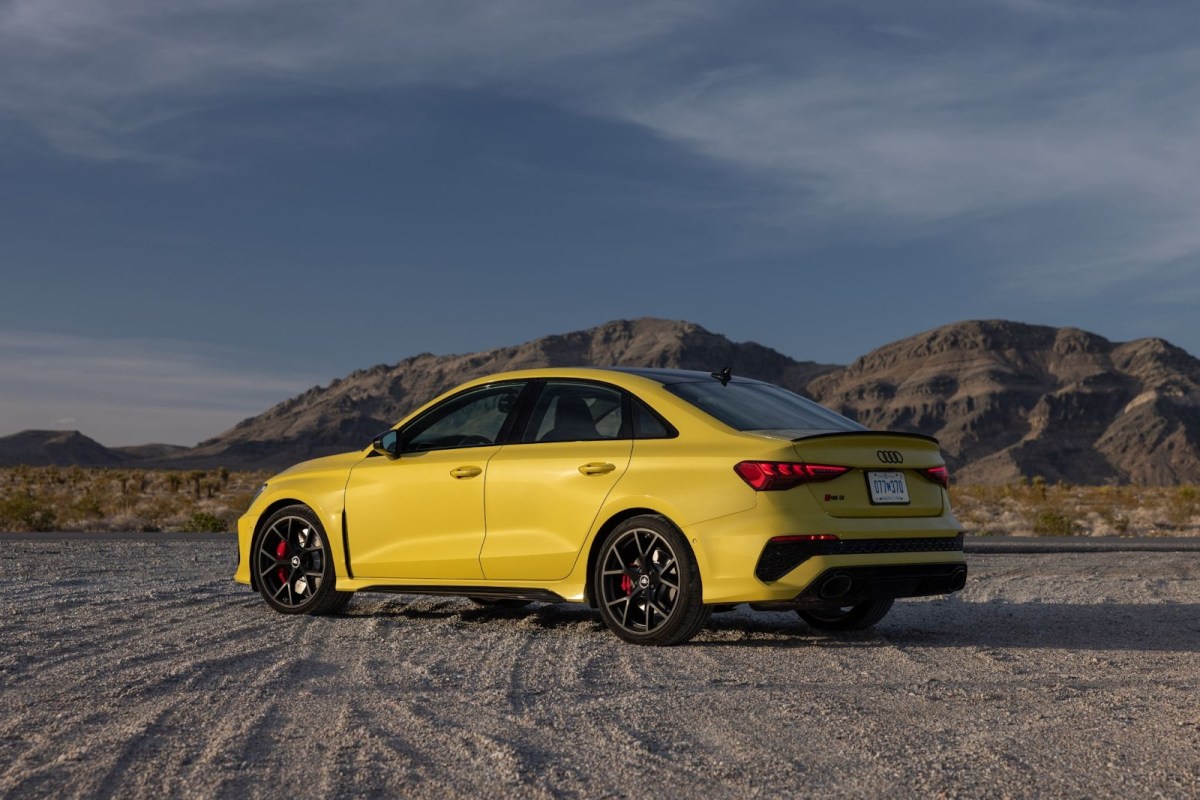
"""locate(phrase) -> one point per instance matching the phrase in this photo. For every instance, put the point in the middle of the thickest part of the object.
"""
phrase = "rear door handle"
(597, 468)
(466, 472)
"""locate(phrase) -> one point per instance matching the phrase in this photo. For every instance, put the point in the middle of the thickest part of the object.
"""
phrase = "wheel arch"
(274, 506)
(603, 531)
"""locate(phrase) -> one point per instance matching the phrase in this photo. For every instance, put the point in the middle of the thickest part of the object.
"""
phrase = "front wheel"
(291, 564)
(647, 583)
(847, 618)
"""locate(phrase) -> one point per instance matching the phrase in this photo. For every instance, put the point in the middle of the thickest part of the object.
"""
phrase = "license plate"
(887, 487)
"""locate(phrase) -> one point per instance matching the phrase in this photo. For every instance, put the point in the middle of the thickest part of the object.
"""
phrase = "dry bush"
(75, 498)
(1037, 508)
(79, 499)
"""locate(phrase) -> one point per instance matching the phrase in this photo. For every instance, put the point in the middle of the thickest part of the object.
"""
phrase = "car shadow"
(1166, 627)
(1170, 627)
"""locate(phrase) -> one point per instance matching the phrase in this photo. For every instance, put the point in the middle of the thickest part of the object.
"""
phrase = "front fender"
(320, 485)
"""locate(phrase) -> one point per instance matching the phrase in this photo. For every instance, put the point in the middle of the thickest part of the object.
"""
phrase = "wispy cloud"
(1004, 116)
(131, 390)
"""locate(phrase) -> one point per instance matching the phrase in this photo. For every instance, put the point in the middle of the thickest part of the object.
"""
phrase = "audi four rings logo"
(890, 456)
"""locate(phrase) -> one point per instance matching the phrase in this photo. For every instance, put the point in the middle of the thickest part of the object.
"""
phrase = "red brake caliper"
(626, 584)
(280, 552)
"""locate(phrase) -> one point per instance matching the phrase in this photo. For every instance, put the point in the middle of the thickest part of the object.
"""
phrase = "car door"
(544, 492)
(421, 515)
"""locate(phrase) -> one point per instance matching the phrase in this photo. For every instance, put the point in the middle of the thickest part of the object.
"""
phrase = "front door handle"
(466, 472)
(597, 468)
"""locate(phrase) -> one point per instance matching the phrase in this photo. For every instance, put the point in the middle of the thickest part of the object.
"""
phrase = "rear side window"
(647, 424)
(577, 412)
(747, 406)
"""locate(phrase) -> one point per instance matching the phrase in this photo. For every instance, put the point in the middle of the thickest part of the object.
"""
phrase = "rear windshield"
(761, 407)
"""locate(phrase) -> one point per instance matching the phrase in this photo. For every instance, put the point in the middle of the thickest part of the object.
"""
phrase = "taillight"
(938, 475)
(771, 476)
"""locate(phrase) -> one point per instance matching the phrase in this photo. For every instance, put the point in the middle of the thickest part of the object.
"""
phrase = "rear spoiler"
(904, 434)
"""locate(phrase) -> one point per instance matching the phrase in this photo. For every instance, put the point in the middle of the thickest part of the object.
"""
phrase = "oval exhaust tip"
(836, 586)
(959, 579)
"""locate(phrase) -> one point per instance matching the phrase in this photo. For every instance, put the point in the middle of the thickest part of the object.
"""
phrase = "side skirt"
(490, 592)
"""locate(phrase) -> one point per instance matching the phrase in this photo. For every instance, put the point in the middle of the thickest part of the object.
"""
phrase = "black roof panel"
(669, 376)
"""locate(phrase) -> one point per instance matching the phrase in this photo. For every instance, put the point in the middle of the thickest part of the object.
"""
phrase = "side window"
(577, 412)
(472, 419)
(647, 424)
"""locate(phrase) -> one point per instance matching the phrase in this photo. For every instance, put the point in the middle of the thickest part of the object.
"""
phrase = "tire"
(647, 583)
(848, 618)
(498, 602)
(291, 564)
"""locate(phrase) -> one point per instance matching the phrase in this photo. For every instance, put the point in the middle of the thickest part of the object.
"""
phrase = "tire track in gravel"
(119, 681)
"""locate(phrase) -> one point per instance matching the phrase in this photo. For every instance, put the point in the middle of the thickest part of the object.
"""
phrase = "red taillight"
(938, 475)
(769, 476)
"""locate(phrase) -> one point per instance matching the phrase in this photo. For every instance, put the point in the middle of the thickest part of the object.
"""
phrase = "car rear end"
(868, 518)
(840, 515)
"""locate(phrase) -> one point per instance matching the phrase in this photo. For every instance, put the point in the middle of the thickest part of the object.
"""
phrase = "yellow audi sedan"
(653, 495)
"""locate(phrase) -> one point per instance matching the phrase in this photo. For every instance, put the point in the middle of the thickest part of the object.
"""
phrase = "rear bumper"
(847, 586)
(780, 558)
(731, 548)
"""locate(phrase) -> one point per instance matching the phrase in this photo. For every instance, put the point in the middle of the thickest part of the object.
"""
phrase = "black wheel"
(498, 602)
(847, 618)
(291, 564)
(647, 583)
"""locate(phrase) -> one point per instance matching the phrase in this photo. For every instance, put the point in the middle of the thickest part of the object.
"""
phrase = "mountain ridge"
(1008, 400)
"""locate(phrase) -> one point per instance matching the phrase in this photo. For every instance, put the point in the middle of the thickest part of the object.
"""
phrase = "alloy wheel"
(640, 580)
(291, 562)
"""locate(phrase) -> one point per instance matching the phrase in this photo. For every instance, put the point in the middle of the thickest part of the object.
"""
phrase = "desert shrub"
(24, 512)
(1054, 523)
(1039, 487)
(1183, 504)
(204, 522)
(240, 502)
(90, 505)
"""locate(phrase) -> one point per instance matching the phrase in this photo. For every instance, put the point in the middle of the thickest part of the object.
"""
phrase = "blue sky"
(206, 207)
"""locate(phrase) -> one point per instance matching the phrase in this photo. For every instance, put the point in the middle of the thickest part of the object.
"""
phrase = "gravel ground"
(137, 668)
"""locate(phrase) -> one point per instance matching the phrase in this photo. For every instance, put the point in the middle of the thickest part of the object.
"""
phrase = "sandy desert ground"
(136, 668)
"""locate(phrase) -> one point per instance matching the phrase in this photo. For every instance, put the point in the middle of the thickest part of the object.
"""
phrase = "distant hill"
(57, 448)
(150, 451)
(1006, 399)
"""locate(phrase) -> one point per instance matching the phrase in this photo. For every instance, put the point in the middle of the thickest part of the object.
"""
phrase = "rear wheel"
(847, 618)
(648, 584)
(291, 564)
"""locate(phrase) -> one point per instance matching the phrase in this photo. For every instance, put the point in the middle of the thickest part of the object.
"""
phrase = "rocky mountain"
(1009, 400)
(348, 412)
(1006, 399)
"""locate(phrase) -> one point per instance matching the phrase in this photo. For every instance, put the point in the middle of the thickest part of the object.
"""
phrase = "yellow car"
(653, 495)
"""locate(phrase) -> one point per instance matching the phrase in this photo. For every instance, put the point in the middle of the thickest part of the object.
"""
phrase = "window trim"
(502, 437)
(625, 434)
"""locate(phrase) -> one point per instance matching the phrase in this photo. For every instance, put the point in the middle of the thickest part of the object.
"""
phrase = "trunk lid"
(891, 461)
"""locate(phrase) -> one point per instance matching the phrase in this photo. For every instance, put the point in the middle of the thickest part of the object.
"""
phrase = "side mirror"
(387, 444)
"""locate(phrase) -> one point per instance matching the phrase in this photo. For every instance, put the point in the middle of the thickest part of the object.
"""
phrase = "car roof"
(628, 377)
(670, 376)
